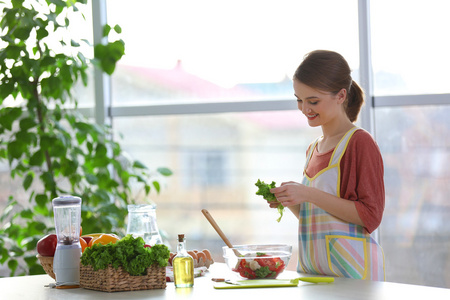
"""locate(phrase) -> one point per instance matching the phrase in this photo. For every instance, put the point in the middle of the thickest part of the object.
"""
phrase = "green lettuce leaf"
(264, 190)
(129, 253)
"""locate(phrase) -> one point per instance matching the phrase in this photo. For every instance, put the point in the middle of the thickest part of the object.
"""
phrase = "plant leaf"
(28, 180)
(165, 171)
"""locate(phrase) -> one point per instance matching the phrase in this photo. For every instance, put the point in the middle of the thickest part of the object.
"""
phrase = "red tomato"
(275, 264)
(47, 245)
(243, 268)
(147, 246)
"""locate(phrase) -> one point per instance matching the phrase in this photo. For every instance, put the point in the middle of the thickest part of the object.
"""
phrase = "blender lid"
(66, 200)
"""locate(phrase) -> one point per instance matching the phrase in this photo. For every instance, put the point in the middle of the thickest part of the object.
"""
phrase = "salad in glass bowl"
(258, 261)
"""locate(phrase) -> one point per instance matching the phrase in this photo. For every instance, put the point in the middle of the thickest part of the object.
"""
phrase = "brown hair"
(328, 71)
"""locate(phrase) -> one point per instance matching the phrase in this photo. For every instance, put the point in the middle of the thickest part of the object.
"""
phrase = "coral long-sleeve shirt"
(362, 178)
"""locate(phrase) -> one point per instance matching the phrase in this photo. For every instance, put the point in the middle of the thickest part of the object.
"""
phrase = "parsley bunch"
(129, 253)
(264, 190)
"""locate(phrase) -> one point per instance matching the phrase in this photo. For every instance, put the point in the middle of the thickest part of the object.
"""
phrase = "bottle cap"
(180, 237)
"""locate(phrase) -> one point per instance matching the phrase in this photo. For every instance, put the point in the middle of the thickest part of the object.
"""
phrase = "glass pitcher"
(142, 223)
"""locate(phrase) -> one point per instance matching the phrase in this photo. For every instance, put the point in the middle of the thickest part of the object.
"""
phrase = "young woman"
(341, 198)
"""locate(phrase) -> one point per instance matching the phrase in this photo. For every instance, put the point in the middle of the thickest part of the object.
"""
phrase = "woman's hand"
(290, 193)
(273, 204)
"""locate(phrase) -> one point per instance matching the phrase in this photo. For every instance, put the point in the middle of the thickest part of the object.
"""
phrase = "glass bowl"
(257, 261)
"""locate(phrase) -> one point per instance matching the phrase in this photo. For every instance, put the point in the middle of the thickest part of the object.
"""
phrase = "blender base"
(66, 266)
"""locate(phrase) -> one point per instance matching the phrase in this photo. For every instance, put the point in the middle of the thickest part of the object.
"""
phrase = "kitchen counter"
(33, 287)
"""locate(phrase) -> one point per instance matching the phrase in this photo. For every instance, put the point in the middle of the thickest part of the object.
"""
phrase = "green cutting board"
(256, 283)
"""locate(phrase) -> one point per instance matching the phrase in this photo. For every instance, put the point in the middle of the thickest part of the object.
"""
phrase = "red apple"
(47, 245)
(87, 238)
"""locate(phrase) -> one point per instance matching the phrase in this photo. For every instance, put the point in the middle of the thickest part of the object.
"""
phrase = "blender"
(66, 263)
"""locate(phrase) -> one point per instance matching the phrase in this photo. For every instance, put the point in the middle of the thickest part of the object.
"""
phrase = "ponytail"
(355, 100)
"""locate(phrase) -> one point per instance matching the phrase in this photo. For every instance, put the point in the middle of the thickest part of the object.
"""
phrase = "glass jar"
(142, 223)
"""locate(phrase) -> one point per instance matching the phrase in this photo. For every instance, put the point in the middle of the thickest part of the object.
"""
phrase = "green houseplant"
(51, 149)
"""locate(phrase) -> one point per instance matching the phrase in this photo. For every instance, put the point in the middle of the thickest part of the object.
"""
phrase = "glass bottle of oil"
(183, 265)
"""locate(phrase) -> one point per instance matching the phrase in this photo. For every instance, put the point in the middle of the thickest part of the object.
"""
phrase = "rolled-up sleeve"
(362, 178)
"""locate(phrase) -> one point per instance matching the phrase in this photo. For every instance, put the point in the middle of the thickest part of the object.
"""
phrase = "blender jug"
(142, 223)
(66, 263)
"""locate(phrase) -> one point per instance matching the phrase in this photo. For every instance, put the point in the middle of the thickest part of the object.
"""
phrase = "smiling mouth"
(311, 116)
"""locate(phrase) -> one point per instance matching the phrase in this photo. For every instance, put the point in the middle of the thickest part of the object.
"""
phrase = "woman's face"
(319, 107)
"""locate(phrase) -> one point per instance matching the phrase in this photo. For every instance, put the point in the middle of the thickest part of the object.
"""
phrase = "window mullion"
(365, 66)
(102, 82)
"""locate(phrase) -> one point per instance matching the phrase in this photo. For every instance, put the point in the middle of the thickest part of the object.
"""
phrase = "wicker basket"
(47, 264)
(117, 280)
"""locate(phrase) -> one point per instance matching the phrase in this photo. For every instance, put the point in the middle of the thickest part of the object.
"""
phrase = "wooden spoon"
(219, 231)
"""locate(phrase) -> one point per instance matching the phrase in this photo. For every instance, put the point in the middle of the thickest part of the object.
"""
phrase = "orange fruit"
(83, 244)
(104, 239)
(92, 241)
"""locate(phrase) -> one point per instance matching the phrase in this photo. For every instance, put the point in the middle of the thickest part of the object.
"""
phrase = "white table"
(32, 287)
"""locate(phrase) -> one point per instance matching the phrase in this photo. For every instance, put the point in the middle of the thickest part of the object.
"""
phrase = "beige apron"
(329, 245)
